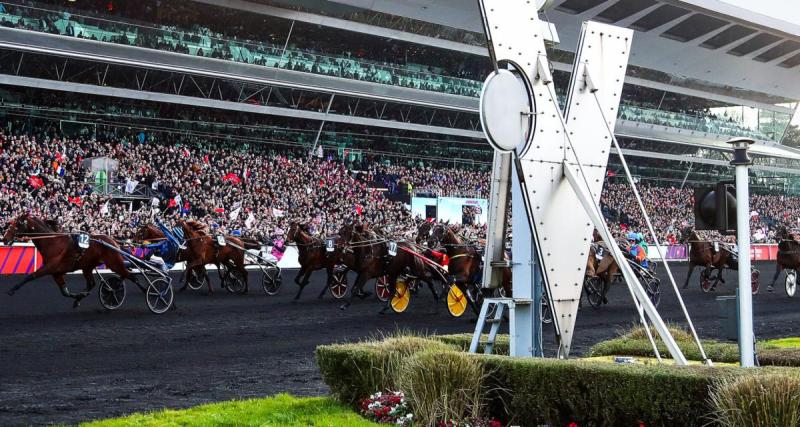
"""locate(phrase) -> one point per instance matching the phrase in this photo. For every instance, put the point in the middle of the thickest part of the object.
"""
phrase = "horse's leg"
(689, 276)
(391, 281)
(90, 283)
(775, 278)
(328, 282)
(44, 271)
(356, 284)
(62, 285)
(304, 272)
(299, 273)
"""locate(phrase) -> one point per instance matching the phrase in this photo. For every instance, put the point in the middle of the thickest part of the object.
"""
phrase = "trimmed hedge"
(463, 341)
(556, 392)
(717, 351)
(354, 371)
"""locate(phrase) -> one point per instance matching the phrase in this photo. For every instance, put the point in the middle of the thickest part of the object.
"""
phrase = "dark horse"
(150, 232)
(314, 254)
(464, 268)
(201, 249)
(788, 253)
(61, 254)
(407, 261)
(703, 253)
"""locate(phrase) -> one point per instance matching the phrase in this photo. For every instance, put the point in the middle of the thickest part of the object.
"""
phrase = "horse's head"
(687, 234)
(147, 232)
(436, 235)
(346, 233)
(17, 225)
(294, 230)
(782, 233)
(423, 232)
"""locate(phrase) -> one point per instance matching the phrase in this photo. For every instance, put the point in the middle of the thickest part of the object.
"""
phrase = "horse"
(201, 249)
(61, 254)
(369, 260)
(702, 253)
(788, 253)
(464, 268)
(314, 254)
(151, 232)
(603, 268)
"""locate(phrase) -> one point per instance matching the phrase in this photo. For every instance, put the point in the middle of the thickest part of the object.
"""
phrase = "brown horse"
(702, 253)
(465, 262)
(201, 249)
(61, 254)
(150, 232)
(369, 260)
(788, 253)
(600, 270)
(314, 255)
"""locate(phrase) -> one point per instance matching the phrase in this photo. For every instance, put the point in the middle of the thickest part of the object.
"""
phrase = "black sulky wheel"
(159, 295)
(271, 280)
(754, 282)
(112, 292)
(547, 315)
(791, 283)
(338, 285)
(196, 280)
(593, 286)
(234, 281)
(653, 289)
(705, 280)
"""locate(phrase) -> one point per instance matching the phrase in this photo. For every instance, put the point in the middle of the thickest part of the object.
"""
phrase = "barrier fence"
(25, 259)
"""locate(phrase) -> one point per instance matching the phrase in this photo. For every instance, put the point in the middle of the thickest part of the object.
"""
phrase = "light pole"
(742, 164)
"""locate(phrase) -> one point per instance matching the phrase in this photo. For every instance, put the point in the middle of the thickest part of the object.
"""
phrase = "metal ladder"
(501, 304)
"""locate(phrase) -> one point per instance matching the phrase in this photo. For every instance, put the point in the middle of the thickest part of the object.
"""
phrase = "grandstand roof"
(707, 40)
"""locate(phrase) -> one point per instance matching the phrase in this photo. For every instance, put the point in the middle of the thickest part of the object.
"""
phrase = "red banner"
(19, 260)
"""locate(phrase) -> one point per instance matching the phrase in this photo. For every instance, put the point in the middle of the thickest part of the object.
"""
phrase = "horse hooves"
(770, 288)
(364, 294)
(343, 307)
(10, 293)
(76, 303)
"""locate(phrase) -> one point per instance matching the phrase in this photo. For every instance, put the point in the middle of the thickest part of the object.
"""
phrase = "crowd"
(259, 189)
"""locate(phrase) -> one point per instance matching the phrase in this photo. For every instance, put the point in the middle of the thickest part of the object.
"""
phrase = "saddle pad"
(83, 241)
(220, 240)
(392, 249)
(599, 252)
(330, 246)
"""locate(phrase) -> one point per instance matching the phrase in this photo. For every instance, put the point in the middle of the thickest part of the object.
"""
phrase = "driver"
(635, 249)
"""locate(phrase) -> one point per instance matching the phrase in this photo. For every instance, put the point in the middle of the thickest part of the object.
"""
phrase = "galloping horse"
(369, 256)
(314, 255)
(201, 250)
(702, 253)
(603, 268)
(788, 253)
(465, 261)
(61, 254)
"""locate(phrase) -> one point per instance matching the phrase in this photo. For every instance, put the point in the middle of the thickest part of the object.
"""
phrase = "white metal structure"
(559, 162)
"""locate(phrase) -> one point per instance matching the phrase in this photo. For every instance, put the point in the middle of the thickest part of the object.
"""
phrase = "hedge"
(633, 343)
(557, 392)
(717, 351)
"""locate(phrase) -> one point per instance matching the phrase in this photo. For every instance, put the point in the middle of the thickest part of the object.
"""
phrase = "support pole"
(745, 295)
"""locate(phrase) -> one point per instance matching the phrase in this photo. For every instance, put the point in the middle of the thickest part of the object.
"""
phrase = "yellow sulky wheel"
(402, 296)
(456, 301)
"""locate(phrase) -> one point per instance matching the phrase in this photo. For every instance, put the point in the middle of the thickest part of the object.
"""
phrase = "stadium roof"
(701, 39)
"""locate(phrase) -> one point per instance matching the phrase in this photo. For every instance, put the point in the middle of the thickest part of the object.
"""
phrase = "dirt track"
(63, 365)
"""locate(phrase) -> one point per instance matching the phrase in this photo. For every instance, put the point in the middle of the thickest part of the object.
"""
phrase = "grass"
(280, 410)
(792, 342)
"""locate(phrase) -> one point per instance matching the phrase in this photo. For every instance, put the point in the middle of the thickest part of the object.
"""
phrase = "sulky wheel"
(338, 285)
(382, 289)
(754, 283)
(271, 280)
(653, 289)
(705, 280)
(196, 280)
(593, 286)
(159, 295)
(456, 301)
(402, 296)
(791, 283)
(234, 282)
(547, 314)
(112, 292)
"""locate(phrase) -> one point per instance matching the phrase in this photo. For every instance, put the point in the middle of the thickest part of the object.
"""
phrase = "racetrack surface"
(61, 365)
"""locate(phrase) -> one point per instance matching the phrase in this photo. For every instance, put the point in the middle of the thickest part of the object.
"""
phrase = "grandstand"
(253, 113)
